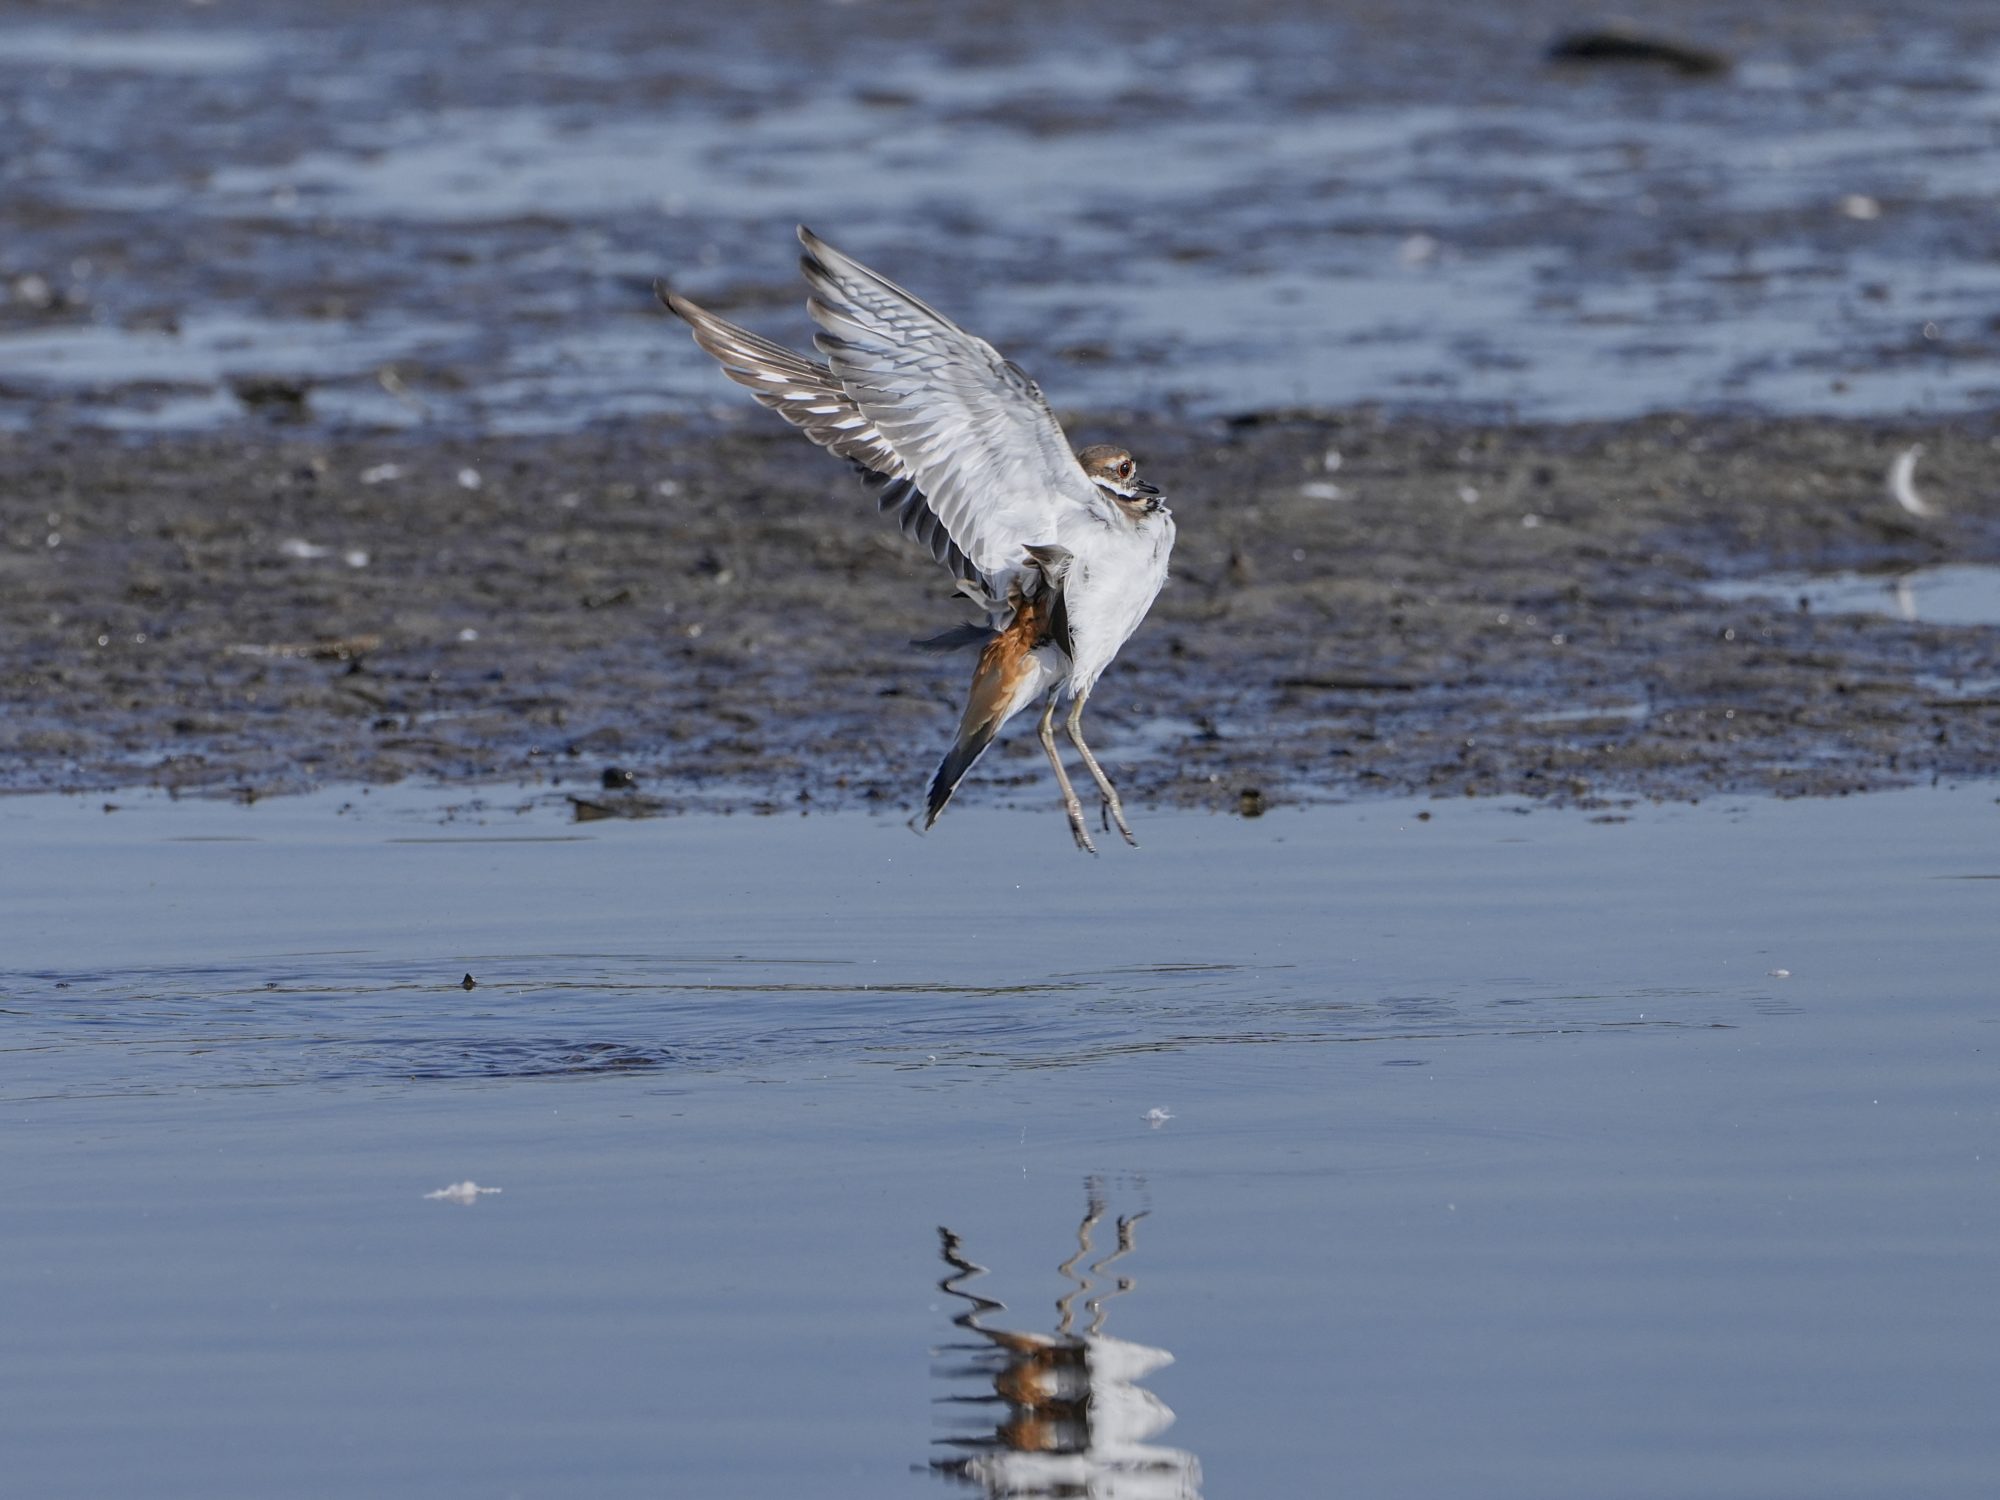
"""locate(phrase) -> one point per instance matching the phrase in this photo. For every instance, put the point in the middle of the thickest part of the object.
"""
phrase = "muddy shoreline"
(1361, 605)
(341, 440)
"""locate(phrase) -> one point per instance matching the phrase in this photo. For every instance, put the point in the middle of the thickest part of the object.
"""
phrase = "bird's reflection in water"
(1069, 1416)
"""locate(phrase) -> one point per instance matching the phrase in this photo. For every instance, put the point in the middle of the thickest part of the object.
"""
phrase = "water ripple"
(345, 1019)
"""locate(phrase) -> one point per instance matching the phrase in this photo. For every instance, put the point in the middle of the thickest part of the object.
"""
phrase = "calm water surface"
(1488, 1153)
(1949, 594)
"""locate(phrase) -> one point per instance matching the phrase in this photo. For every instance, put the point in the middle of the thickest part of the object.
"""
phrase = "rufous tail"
(999, 685)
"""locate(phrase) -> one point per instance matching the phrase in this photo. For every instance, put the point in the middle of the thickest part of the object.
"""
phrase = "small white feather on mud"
(1903, 482)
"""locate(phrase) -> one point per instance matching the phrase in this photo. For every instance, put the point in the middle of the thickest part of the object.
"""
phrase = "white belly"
(1115, 574)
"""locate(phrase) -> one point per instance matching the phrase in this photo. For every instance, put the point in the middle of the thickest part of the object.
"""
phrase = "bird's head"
(1112, 470)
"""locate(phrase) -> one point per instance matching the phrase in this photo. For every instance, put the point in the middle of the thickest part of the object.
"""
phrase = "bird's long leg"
(1066, 1304)
(1074, 724)
(1047, 730)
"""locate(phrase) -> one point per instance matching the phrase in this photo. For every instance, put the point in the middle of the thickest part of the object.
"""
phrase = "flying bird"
(1064, 552)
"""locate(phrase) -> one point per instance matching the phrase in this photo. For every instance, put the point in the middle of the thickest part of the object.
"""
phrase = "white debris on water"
(468, 634)
(1860, 206)
(1320, 489)
(1781, 973)
(381, 473)
(1903, 482)
(1158, 1117)
(355, 557)
(467, 1191)
(1468, 495)
(468, 479)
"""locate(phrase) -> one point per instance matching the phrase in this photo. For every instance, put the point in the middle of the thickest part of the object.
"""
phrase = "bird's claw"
(1107, 810)
(1079, 831)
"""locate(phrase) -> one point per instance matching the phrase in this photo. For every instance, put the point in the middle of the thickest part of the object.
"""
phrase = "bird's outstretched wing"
(802, 391)
(973, 431)
(806, 393)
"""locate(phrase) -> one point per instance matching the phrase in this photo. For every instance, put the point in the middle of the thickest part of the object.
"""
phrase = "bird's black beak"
(1144, 491)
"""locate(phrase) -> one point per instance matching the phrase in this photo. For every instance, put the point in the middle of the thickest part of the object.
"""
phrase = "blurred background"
(414, 214)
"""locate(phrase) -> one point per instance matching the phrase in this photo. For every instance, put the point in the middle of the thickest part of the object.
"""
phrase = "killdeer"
(1064, 552)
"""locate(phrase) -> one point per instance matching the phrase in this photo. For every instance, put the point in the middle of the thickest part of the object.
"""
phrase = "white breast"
(1117, 573)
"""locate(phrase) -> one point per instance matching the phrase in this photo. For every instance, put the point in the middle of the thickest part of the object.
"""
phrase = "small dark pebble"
(1250, 802)
(274, 395)
(468, 983)
(1356, 684)
(1631, 47)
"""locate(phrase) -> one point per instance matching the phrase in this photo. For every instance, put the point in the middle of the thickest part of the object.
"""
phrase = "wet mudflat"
(415, 214)
(1360, 605)
(1500, 1149)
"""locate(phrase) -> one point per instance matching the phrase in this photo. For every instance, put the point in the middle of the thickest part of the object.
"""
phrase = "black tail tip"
(951, 770)
(934, 805)
(949, 774)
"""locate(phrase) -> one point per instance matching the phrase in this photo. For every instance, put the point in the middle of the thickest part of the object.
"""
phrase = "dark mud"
(1360, 605)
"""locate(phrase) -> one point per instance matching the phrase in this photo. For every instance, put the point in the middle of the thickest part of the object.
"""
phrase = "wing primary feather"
(810, 396)
(962, 444)
(955, 639)
(975, 433)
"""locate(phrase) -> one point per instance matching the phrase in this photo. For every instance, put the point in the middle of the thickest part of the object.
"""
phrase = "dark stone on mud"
(468, 983)
(278, 397)
(1631, 47)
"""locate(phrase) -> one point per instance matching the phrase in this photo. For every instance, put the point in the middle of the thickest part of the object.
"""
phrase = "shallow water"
(1391, 206)
(1950, 594)
(1484, 1152)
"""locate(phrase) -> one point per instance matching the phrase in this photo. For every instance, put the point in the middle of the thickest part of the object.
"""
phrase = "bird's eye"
(1124, 468)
